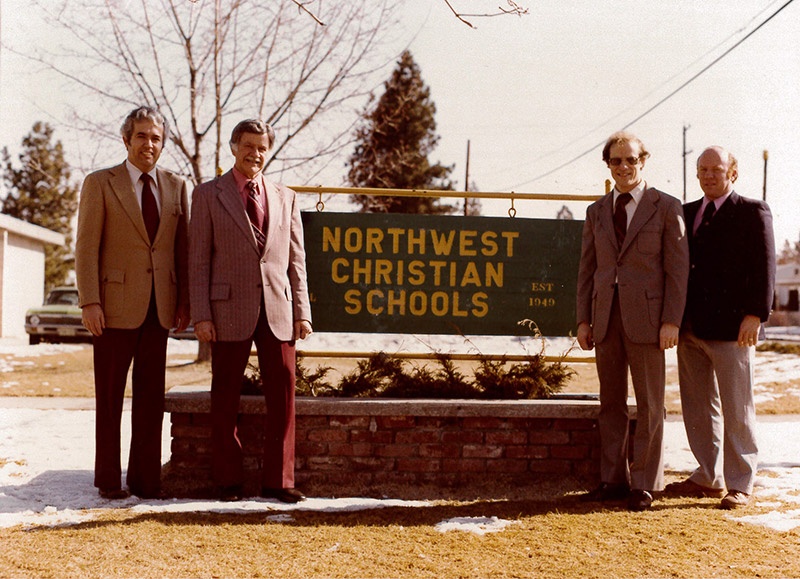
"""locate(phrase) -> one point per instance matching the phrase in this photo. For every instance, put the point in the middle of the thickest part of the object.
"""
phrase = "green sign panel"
(425, 274)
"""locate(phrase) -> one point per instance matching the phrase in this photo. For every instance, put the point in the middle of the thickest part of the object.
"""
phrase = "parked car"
(59, 320)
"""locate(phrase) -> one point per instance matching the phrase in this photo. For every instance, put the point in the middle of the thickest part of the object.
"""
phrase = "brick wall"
(371, 444)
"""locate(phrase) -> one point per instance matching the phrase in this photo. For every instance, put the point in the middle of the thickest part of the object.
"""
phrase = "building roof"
(30, 230)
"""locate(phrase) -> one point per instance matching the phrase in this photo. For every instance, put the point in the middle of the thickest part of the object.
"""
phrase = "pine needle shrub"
(308, 383)
(372, 376)
(382, 375)
(445, 381)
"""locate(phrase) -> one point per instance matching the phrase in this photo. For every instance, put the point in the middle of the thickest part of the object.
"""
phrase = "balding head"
(717, 170)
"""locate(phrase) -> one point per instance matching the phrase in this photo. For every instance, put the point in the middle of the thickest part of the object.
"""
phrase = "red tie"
(256, 214)
(149, 208)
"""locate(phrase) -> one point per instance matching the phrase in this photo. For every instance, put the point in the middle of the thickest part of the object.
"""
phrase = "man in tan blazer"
(631, 295)
(248, 284)
(131, 257)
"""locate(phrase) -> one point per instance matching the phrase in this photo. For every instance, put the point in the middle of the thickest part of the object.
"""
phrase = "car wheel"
(33, 340)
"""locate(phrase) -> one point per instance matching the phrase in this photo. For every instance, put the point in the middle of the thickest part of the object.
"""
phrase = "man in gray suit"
(631, 295)
(731, 284)
(248, 284)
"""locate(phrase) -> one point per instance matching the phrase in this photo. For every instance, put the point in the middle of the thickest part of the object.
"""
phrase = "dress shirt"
(636, 195)
(698, 219)
(241, 186)
(136, 175)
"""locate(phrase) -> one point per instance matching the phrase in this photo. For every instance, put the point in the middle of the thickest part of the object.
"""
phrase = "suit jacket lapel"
(690, 214)
(274, 209)
(644, 211)
(123, 188)
(606, 206)
(169, 191)
(231, 200)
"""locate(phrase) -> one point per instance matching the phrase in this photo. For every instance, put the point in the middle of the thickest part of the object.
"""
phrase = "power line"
(660, 102)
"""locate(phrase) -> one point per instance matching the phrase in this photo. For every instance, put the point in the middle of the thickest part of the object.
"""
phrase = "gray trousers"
(615, 355)
(719, 414)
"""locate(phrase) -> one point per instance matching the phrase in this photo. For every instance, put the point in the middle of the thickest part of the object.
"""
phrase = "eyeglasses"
(615, 161)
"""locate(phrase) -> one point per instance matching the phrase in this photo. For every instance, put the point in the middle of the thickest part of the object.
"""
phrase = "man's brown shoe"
(734, 500)
(688, 488)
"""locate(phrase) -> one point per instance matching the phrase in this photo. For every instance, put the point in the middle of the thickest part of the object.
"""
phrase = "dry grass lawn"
(549, 537)
(69, 374)
(552, 535)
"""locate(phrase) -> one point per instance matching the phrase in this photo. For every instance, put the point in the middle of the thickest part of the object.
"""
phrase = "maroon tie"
(149, 208)
(621, 217)
(256, 214)
(708, 214)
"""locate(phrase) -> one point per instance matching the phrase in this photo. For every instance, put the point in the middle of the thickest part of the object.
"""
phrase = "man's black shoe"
(283, 495)
(607, 492)
(639, 500)
(114, 494)
(231, 494)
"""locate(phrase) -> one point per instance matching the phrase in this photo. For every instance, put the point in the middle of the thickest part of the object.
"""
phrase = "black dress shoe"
(283, 495)
(114, 494)
(607, 492)
(639, 500)
(230, 494)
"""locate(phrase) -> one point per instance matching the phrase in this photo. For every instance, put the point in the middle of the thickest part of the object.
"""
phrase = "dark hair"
(624, 137)
(254, 126)
(143, 114)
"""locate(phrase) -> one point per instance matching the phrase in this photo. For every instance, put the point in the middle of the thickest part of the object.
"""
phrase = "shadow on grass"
(384, 517)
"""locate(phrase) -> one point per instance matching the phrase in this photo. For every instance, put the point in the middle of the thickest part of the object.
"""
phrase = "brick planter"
(358, 445)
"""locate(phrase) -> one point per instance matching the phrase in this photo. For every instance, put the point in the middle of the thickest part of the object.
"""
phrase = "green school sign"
(400, 273)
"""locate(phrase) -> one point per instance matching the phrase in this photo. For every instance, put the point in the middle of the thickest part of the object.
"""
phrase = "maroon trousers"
(114, 350)
(276, 360)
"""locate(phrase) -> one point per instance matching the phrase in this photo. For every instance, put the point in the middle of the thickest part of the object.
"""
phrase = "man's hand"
(205, 331)
(182, 318)
(93, 319)
(585, 336)
(302, 329)
(668, 336)
(748, 330)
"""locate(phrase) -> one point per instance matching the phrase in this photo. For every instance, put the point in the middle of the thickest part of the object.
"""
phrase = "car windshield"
(67, 298)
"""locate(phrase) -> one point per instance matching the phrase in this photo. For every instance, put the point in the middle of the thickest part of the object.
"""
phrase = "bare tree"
(513, 9)
(207, 66)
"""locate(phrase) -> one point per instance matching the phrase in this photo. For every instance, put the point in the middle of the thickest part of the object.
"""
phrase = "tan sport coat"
(227, 273)
(651, 268)
(116, 265)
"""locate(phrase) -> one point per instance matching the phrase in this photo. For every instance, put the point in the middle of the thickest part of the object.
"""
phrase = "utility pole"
(685, 153)
(766, 157)
(466, 184)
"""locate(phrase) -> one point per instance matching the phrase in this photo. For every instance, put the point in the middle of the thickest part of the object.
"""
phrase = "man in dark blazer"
(731, 285)
(248, 284)
(131, 269)
(631, 294)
